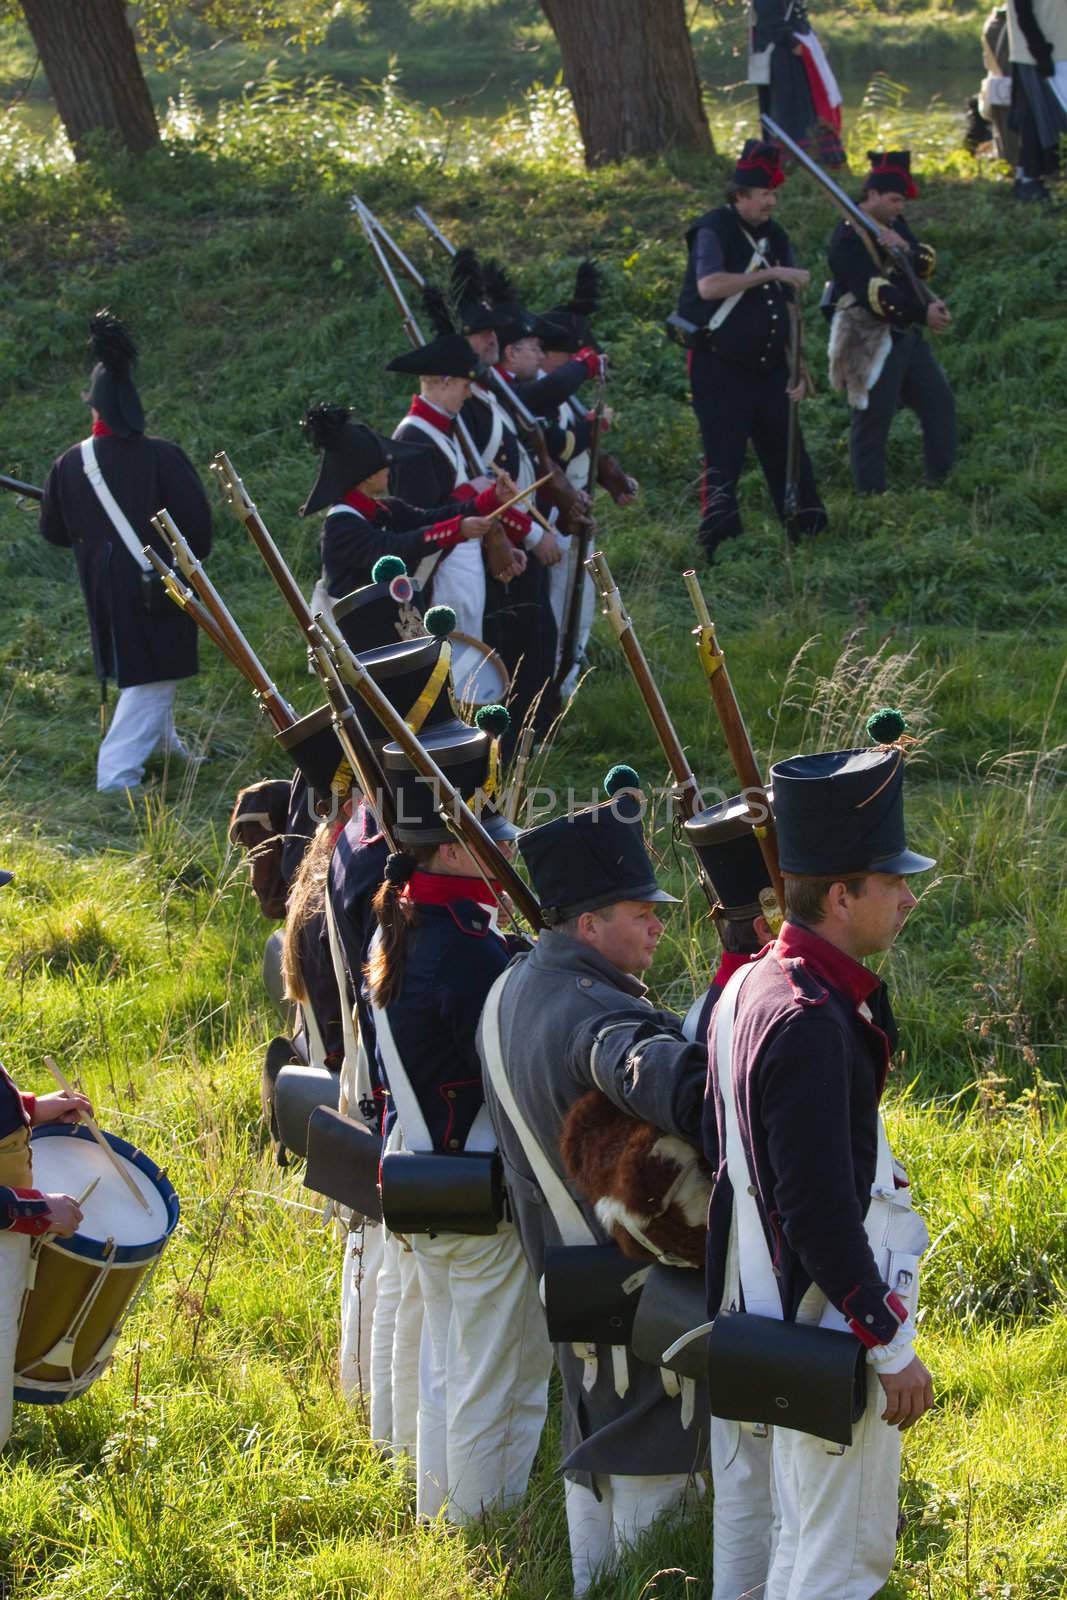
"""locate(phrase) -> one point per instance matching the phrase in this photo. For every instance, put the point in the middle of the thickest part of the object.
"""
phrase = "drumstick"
(80, 1201)
(99, 1137)
(499, 512)
(531, 511)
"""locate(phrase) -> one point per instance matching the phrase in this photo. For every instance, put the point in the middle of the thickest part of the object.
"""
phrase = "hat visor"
(499, 829)
(643, 893)
(903, 864)
(5, 877)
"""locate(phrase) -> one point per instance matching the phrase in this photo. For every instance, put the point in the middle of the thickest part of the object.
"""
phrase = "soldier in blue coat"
(801, 1041)
(98, 499)
(483, 1379)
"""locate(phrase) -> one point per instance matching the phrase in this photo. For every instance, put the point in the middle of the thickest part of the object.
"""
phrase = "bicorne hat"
(842, 812)
(470, 760)
(730, 857)
(759, 166)
(466, 285)
(567, 326)
(594, 857)
(891, 173)
(514, 321)
(449, 355)
(112, 392)
(351, 453)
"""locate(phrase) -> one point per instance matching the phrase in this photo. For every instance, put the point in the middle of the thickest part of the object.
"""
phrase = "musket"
(562, 494)
(25, 491)
(359, 752)
(186, 600)
(738, 743)
(686, 790)
(792, 437)
(568, 650)
(238, 649)
(371, 232)
(453, 810)
(869, 230)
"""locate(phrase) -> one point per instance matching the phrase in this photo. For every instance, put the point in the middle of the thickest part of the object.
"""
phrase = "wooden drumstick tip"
(99, 1137)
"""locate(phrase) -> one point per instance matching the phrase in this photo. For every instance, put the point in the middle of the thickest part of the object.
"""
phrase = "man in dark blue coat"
(98, 499)
(800, 1041)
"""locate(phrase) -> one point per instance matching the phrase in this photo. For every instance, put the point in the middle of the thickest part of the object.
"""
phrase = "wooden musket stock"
(738, 743)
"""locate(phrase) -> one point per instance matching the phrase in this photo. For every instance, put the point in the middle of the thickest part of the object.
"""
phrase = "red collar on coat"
(443, 888)
(101, 429)
(362, 503)
(826, 961)
(731, 961)
(432, 414)
(509, 377)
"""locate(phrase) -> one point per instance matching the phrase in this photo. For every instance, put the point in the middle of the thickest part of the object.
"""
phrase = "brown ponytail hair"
(396, 916)
(307, 899)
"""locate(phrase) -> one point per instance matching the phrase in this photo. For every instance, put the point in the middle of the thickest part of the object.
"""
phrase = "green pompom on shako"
(886, 725)
(620, 777)
(494, 720)
(386, 568)
(439, 620)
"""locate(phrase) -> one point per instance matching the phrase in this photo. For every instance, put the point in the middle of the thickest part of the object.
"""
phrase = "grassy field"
(217, 1459)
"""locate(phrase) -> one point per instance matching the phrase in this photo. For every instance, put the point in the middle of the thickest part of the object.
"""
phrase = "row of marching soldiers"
(536, 1163)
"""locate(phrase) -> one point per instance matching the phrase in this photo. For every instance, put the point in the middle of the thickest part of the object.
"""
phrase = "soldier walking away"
(740, 289)
(796, 84)
(800, 1045)
(1037, 39)
(98, 499)
(877, 350)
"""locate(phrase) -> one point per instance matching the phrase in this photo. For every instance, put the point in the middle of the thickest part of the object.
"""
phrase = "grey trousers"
(911, 377)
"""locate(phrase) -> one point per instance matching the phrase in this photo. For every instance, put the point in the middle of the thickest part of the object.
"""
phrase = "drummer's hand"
(506, 487)
(60, 1107)
(475, 527)
(64, 1214)
(548, 550)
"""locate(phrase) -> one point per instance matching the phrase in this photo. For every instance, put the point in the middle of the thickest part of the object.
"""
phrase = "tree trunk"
(630, 70)
(89, 55)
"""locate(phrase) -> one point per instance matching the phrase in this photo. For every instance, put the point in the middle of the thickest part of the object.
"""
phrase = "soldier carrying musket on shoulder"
(877, 350)
(740, 282)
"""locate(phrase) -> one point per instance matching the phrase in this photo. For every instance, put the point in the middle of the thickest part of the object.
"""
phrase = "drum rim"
(95, 1249)
(487, 653)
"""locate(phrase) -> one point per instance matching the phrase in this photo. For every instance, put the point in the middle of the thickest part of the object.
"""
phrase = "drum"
(80, 1290)
(479, 677)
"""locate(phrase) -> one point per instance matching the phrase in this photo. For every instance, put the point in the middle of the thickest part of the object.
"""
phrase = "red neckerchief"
(442, 888)
(362, 503)
(509, 377)
(826, 961)
(430, 413)
(731, 961)
(101, 429)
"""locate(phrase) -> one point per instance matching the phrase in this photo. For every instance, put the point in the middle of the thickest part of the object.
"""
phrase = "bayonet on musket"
(869, 230)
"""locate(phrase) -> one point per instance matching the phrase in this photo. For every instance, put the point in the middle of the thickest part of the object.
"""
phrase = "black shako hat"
(112, 392)
(415, 677)
(388, 608)
(759, 166)
(592, 858)
(891, 173)
(514, 321)
(729, 853)
(351, 453)
(470, 760)
(450, 355)
(567, 326)
(842, 812)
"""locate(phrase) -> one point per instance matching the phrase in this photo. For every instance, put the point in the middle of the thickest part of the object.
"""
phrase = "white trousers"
(14, 1265)
(483, 1380)
(459, 582)
(743, 1516)
(799, 1523)
(838, 1513)
(396, 1334)
(600, 1530)
(143, 716)
(560, 578)
(364, 1248)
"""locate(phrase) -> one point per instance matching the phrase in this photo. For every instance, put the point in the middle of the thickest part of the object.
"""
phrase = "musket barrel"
(16, 485)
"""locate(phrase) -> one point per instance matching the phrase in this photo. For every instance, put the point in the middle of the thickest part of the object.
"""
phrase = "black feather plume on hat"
(323, 424)
(111, 344)
(467, 281)
(498, 286)
(437, 308)
(588, 282)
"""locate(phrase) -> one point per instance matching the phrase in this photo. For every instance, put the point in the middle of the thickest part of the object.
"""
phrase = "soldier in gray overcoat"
(569, 1016)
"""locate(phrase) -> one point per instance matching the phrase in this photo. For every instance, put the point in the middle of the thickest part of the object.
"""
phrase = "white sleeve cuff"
(894, 1356)
(534, 537)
